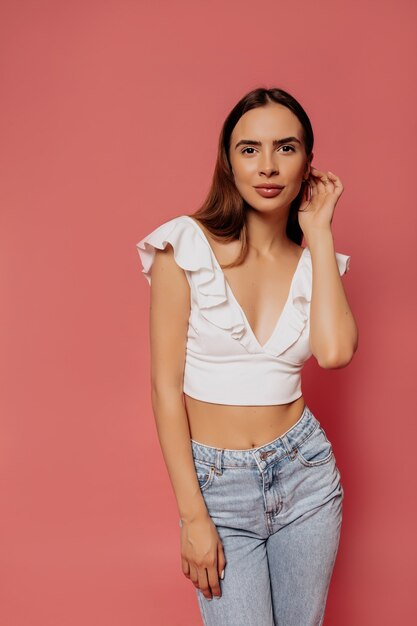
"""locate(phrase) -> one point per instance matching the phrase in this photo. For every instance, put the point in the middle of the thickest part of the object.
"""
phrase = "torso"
(258, 286)
(240, 427)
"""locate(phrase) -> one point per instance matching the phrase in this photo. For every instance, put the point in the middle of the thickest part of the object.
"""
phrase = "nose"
(268, 171)
(267, 166)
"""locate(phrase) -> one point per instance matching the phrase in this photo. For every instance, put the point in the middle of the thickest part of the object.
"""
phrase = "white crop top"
(224, 362)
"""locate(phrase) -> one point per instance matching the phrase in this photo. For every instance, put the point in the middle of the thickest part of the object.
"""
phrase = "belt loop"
(218, 461)
(291, 452)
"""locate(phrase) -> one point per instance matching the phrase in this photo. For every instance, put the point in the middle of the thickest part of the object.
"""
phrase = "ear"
(308, 164)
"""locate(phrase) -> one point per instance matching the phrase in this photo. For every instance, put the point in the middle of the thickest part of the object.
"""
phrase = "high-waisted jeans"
(278, 512)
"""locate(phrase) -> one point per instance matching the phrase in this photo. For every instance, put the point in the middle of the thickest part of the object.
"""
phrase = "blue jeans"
(278, 512)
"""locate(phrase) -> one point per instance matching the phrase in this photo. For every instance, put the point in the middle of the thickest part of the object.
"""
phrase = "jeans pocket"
(205, 473)
(316, 449)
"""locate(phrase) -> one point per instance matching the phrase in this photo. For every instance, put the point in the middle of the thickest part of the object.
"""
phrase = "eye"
(250, 148)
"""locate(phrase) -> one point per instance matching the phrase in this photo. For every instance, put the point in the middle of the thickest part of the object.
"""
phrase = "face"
(262, 162)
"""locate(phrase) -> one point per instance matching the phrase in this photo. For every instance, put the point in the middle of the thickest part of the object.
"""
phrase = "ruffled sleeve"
(187, 248)
(304, 283)
(343, 261)
(194, 255)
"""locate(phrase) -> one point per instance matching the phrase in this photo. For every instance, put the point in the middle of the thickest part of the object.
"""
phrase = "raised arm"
(333, 330)
(334, 333)
(170, 307)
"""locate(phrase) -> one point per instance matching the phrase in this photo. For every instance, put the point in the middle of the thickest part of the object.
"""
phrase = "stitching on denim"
(300, 443)
(207, 483)
(307, 463)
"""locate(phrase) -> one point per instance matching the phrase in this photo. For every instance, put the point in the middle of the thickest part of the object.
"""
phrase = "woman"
(237, 307)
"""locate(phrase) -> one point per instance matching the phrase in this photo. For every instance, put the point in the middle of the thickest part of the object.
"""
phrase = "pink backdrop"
(110, 115)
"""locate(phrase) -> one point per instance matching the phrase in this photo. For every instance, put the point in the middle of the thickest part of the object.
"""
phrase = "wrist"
(198, 513)
(316, 237)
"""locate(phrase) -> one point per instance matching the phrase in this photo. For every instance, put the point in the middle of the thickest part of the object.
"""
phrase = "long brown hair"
(223, 212)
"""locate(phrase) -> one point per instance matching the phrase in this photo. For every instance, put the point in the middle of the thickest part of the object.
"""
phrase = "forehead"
(270, 121)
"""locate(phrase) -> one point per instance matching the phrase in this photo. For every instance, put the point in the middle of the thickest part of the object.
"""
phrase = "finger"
(314, 188)
(332, 176)
(203, 582)
(322, 180)
(321, 183)
(313, 177)
(329, 182)
(324, 185)
(336, 181)
(194, 575)
(185, 567)
(315, 172)
(221, 559)
(213, 580)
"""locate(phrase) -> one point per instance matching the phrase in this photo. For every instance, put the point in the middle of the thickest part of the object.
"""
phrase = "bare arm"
(169, 312)
(202, 553)
(333, 330)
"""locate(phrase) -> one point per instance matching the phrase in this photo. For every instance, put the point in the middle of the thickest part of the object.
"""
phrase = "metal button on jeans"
(265, 453)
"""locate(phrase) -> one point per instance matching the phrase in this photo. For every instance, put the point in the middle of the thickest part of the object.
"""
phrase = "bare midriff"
(240, 427)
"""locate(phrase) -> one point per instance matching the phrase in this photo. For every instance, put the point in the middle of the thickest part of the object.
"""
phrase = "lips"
(269, 186)
(269, 191)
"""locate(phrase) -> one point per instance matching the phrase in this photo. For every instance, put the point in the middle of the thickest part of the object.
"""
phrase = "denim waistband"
(270, 452)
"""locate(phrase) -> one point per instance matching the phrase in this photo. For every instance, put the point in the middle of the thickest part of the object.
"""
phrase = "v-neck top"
(224, 361)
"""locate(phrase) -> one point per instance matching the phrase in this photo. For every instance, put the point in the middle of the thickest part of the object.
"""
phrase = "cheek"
(244, 172)
(243, 187)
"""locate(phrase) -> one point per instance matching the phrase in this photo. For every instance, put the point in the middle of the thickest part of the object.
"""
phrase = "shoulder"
(157, 236)
(188, 248)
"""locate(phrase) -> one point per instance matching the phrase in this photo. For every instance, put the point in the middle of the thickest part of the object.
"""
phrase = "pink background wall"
(110, 115)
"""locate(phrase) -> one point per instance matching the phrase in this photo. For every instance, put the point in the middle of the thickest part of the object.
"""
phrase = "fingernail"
(222, 575)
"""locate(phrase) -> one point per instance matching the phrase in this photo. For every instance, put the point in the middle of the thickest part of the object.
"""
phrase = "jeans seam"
(203, 608)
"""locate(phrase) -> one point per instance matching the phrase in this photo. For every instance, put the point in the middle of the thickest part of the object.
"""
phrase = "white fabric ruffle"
(193, 254)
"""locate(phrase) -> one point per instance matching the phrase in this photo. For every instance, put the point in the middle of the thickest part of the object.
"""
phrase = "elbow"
(164, 393)
(339, 355)
(337, 360)
(334, 359)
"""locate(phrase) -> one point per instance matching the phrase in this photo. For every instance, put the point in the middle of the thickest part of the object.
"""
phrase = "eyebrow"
(276, 142)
